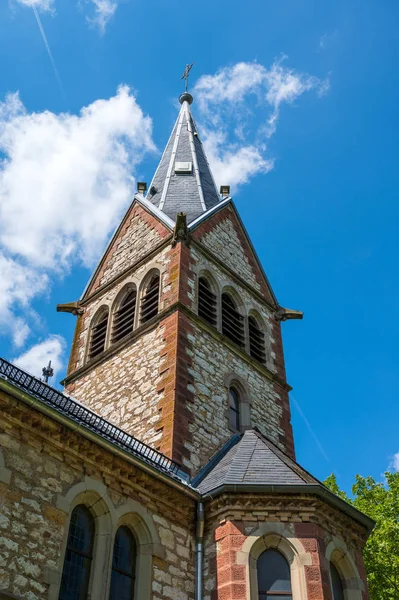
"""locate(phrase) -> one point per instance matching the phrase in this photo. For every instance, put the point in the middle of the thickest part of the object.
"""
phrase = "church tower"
(178, 337)
(167, 471)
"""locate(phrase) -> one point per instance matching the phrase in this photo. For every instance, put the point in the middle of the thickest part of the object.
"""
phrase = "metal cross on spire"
(186, 74)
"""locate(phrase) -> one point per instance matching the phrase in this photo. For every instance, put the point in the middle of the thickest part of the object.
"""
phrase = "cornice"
(177, 306)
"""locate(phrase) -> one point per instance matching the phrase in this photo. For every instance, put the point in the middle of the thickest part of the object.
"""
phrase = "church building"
(166, 469)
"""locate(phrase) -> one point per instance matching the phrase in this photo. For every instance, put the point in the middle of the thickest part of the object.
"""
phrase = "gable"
(225, 236)
(139, 233)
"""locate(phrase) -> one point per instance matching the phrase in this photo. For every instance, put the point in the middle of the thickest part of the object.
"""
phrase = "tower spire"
(183, 181)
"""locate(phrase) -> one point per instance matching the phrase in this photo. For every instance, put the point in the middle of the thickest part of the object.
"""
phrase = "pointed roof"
(251, 459)
(250, 462)
(183, 181)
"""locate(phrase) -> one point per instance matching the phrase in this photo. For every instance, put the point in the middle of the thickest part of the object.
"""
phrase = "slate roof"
(195, 192)
(251, 459)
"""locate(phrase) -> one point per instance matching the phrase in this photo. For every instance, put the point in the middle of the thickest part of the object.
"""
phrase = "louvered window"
(206, 301)
(124, 317)
(78, 556)
(149, 302)
(234, 409)
(338, 590)
(98, 336)
(274, 577)
(123, 565)
(256, 341)
(232, 321)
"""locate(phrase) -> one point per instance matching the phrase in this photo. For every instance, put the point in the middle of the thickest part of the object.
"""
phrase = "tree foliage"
(380, 501)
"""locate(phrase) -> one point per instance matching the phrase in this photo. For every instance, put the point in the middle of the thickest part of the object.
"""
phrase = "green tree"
(381, 555)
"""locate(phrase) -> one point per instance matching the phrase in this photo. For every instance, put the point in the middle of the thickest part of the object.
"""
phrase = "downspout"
(199, 551)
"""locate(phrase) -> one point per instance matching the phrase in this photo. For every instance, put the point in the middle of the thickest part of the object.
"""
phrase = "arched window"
(123, 565)
(78, 556)
(274, 577)
(256, 340)
(338, 590)
(98, 335)
(149, 301)
(206, 301)
(124, 317)
(232, 321)
(234, 409)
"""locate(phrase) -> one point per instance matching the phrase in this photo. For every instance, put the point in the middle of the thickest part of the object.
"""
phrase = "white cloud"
(40, 4)
(232, 164)
(104, 10)
(64, 183)
(19, 284)
(240, 96)
(395, 461)
(39, 355)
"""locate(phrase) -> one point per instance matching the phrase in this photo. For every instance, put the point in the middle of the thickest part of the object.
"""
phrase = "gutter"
(53, 414)
(306, 488)
(199, 551)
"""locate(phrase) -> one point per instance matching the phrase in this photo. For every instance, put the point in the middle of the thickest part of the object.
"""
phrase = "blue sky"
(298, 103)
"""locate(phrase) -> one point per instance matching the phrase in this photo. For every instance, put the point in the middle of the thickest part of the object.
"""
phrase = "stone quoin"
(166, 469)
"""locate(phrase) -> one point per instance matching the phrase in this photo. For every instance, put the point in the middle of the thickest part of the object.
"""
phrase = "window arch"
(207, 301)
(232, 320)
(98, 334)
(123, 320)
(336, 583)
(150, 298)
(78, 556)
(123, 565)
(256, 340)
(274, 576)
(234, 409)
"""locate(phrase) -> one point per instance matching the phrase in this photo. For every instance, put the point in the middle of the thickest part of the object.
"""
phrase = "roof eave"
(305, 488)
(36, 404)
(198, 220)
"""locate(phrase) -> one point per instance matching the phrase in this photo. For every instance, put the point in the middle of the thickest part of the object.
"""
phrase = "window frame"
(118, 306)
(89, 555)
(100, 315)
(143, 292)
(114, 569)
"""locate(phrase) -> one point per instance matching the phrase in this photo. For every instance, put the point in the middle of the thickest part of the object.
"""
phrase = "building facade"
(167, 468)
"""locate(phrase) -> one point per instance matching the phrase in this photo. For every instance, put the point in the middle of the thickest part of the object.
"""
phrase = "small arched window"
(256, 340)
(206, 301)
(150, 299)
(98, 335)
(124, 317)
(336, 581)
(78, 556)
(274, 577)
(232, 321)
(234, 409)
(123, 565)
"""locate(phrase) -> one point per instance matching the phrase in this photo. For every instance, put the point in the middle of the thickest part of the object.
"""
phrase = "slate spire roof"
(183, 181)
(251, 459)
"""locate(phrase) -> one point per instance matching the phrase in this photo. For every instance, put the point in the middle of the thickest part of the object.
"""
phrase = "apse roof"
(183, 181)
(251, 459)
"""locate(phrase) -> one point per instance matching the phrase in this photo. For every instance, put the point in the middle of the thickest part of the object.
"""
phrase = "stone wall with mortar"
(43, 462)
(224, 236)
(139, 233)
(236, 525)
(211, 361)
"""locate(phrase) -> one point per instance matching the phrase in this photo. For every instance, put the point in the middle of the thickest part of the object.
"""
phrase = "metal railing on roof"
(85, 417)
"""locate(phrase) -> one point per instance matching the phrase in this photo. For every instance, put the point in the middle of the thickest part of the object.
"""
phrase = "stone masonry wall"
(138, 235)
(45, 460)
(211, 361)
(223, 235)
(308, 524)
